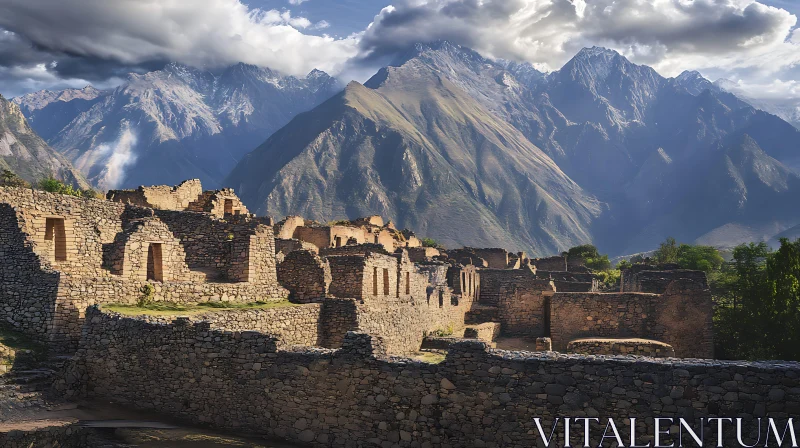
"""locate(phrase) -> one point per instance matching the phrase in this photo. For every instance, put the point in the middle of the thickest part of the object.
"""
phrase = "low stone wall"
(476, 397)
(67, 436)
(314, 324)
(76, 294)
(641, 347)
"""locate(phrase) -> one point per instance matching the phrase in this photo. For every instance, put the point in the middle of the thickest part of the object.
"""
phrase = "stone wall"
(642, 278)
(555, 263)
(322, 324)
(286, 227)
(476, 397)
(496, 258)
(61, 254)
(305, 275)
(354, 249)
(639, 347)
(681, 317)
(161, 197)
(421, 254)
(219, 203)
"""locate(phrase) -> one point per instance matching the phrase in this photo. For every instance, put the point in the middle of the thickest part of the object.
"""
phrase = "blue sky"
(345, 16)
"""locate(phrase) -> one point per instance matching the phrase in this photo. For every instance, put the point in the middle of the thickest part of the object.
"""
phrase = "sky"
(54, 44)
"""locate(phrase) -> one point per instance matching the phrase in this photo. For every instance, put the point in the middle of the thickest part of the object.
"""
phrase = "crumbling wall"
(219, 203)
(161, 197)
(305, 275)
(495, 257)
(681, 317)
(44, 293)
(642, 279)
(555, 263)
(476, 397)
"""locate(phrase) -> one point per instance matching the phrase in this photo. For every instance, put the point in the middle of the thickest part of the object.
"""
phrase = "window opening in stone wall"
(55, 232)
(155, 269)
(237, 212)
(386, 282)
(441, 298)
(228, 206)
(374, 281)
(376, 239)
(408, 283)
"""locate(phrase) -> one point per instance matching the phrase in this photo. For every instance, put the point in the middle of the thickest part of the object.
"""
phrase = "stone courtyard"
(357, 294)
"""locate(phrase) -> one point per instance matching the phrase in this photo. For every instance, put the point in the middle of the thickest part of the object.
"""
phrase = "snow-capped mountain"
(176, 123)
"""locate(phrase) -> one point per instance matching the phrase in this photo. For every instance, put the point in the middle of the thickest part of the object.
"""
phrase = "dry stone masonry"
(314, 361)
(357, 396)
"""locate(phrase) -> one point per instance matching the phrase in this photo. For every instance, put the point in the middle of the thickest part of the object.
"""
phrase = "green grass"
(429, 357)
(177, 309)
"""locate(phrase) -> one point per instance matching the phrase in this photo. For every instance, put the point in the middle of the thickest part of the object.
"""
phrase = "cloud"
(202, 33)
(118, 156)
(297, 2)
(671, 35)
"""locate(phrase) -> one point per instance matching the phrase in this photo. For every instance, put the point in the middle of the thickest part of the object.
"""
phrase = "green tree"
(591, 256)
(740, 290)
(702, 258)
(781, 308)
(430, 242)
(667, 251)
(54, 185)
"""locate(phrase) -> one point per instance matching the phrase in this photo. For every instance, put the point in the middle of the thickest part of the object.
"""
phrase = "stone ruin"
(61, 254)
(359, 289)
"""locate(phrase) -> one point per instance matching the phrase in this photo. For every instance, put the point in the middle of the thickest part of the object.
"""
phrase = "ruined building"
(61, 254)
(321, 366)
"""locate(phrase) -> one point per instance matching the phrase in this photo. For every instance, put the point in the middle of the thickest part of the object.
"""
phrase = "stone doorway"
(155, 267)
(228, 206)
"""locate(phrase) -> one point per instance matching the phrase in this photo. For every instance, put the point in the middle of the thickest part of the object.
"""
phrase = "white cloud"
(671, 35)
(118, 156)
(201, 33)
(297, 2)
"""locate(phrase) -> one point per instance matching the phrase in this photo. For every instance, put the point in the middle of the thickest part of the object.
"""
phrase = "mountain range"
(459, 147)
(172, 124)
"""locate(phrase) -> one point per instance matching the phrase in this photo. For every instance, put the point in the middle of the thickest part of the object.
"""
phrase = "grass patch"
(177, 309)
(429, 357)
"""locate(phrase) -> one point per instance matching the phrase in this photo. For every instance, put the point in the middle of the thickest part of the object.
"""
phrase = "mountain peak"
(595, 51)
(689, 74)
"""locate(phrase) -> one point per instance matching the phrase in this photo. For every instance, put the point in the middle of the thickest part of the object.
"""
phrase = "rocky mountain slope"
(666, 156)
(26, 154)
(412, 146)
(172, 124)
